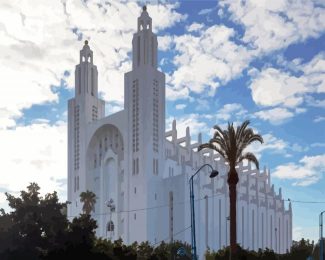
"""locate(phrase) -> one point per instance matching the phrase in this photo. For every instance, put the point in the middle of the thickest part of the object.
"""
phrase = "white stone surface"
(128, 157)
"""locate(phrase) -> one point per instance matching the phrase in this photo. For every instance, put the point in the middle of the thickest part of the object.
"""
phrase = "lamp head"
(214, 173)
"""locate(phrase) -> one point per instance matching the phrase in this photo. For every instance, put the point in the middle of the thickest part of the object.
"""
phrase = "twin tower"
(119, 157)
(140, 178)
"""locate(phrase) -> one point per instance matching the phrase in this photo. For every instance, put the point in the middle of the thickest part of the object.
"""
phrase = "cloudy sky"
(224, 61)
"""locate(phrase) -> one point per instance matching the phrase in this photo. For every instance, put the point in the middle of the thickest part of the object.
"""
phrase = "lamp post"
(227, 219)
(321, 244)
(276, 240)
(213, 174)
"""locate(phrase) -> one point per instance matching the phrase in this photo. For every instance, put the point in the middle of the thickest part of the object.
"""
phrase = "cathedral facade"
(140, 173)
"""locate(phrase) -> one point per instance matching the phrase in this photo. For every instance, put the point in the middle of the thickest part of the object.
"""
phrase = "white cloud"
(193, 121)
(221, 13)
(275, 25)
(173, 93)
(275, 116)
(113, 107)
(297, 233)
(29, 155)
(205, 61)
(315, 102)
(271, 144)
(180, 106)
(273, 87)
(38, 44)
(318, 144)
(319, 119)
(298, 148)
(205, 11)
(194, 27)
(306, 172)
(202, 104)
(165, 42)
(305, 232)
(233, 110)
(2, 198)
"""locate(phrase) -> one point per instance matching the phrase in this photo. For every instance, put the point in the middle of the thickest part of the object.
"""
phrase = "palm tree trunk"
(232, 183)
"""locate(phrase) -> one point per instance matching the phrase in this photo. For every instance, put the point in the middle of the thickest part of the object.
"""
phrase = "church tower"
(83, 109)
(144, 101)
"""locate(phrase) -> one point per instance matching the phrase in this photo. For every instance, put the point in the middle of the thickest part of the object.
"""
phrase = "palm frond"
(219, 141)
(219, 150)
(242, 129)
(250, 157)
(254, 138)
(206, 145)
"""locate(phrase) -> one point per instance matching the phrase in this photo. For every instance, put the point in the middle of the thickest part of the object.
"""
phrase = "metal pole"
(226, 231)
(194, 254)
(276, 240)
(193, 228)
(321, 244)
(192, 208)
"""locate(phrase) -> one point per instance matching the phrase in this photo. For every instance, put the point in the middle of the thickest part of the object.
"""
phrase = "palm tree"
(230, 144)
(88, 198)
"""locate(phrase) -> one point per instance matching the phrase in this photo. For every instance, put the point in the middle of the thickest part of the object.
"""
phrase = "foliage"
(37, 228)
(231, 143)
(88, 198)
(142, 251)
(33, 225)
(300, 250)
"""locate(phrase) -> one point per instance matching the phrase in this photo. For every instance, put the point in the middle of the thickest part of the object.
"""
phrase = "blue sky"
(224, 61)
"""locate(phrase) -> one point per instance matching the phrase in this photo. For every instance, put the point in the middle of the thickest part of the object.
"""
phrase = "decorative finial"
(144, 8)
(86, 42)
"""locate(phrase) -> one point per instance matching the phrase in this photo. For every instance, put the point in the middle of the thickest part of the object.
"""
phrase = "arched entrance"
(104, 156)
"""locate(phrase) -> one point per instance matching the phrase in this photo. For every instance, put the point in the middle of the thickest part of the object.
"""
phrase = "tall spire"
(86, 54)
(144, 43)
(144, 21)
(86, 74)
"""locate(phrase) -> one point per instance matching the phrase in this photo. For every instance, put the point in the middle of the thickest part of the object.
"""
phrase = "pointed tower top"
(86, 54)
(144, 21)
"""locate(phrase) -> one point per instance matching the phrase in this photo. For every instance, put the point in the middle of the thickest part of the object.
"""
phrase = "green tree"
(301, 249)
(33, 226)
(78, 241)
(88, 198)
(37, 228)
(230, 144)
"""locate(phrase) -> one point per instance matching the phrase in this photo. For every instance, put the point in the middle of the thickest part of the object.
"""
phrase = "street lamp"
(213, 174)
(276, 240)
(321, 244)
(227, 219)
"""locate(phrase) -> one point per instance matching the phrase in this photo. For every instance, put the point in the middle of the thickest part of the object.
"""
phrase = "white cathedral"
(140, 173)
